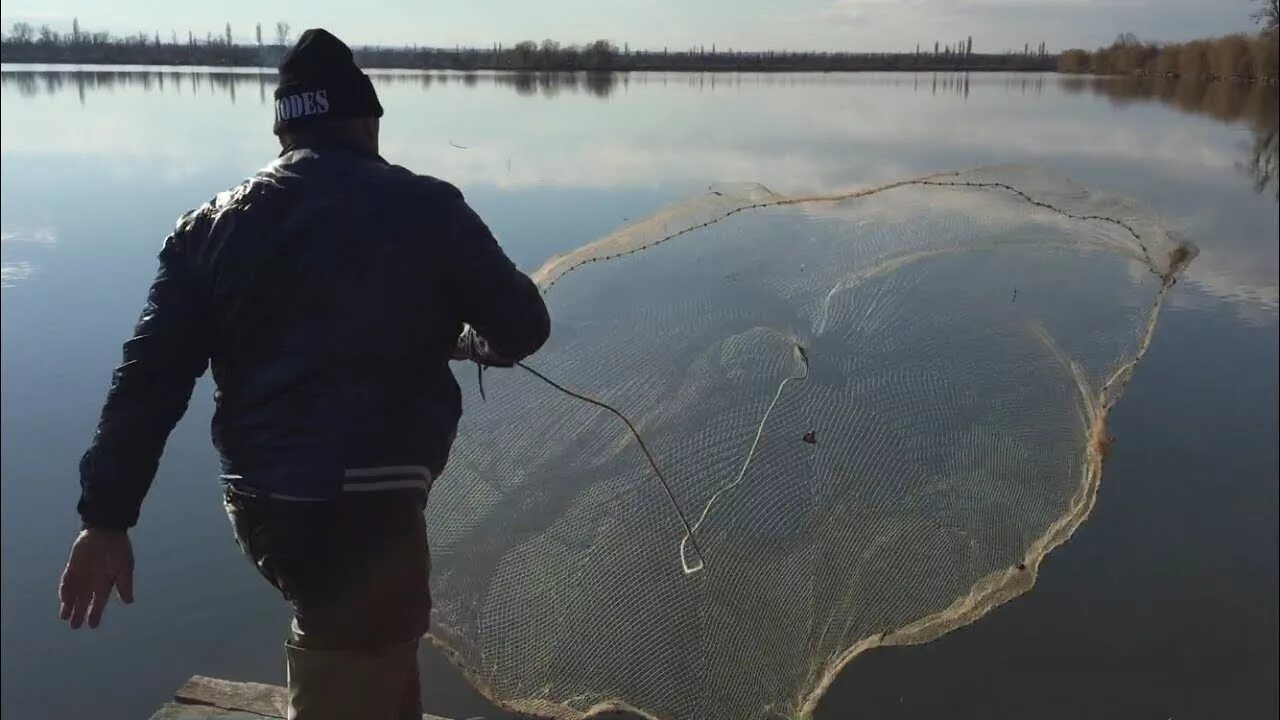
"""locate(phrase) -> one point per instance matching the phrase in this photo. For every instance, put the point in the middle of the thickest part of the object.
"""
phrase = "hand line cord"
(639, 440)
(689, 528)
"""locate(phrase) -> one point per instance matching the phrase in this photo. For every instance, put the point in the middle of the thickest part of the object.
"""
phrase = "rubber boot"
(352, 684)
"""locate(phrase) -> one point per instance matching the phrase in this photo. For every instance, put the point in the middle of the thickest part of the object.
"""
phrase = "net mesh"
(880, 411)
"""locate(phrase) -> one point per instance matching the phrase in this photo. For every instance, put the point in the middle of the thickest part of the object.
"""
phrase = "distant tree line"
(1241, 57)
(550, 55)
(26, 43)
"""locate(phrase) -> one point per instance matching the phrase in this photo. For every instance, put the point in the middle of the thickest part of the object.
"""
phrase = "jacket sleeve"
(501, 303)
(149, 394)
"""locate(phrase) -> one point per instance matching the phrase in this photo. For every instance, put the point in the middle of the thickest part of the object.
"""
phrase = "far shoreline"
(269, 69)
(90, 66)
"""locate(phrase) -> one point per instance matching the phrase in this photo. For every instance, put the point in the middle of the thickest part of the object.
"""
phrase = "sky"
(852, 25)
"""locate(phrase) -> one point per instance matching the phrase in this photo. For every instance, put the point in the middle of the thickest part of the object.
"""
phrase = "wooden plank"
(265, 700)
(206, 698)
(178, 711)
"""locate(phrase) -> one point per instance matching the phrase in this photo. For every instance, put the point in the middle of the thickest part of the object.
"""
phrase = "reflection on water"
(42, 236)
(1263, 161)
(103, 160)
(236, 83)
(21, 250)
(14, 272)
(672, 133)
(1252, 104)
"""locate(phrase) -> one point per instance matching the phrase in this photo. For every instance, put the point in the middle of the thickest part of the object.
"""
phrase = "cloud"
(858, 12)
(997, 25)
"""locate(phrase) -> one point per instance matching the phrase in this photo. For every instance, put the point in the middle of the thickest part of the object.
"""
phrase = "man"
(328, 293)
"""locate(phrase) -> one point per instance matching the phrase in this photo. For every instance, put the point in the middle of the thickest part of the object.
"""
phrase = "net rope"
(689, 567)
(882, 441)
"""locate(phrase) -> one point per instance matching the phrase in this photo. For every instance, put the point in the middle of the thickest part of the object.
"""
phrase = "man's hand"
(471, 346)
(101, 560)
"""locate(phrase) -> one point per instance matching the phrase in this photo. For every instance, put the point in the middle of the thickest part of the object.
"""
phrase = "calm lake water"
(1163, 605)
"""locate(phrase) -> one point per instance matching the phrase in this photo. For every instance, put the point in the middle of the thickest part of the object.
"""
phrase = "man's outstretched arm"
(149, 394)
(500, 303)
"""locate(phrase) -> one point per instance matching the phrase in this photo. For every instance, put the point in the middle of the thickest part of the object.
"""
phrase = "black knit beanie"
(319, 81)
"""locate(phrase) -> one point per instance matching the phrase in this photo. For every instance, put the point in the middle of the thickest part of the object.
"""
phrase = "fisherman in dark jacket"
(328, 293)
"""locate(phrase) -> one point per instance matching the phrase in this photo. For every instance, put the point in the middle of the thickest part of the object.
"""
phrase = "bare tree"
(75, 30)
(22, 33)
(257, 33)
(524, 53)
(282, 33)
(599, 55)
(228, 34)
(1268, 14)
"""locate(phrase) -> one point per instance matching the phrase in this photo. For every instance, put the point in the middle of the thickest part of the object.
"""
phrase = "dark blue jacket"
(327, 293)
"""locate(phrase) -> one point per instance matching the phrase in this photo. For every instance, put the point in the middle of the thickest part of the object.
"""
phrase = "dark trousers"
(355, 571)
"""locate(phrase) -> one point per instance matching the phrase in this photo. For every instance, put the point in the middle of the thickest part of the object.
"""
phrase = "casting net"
(878, 410)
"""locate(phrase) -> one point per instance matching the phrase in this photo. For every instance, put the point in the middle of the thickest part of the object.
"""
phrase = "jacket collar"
(333, 144)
